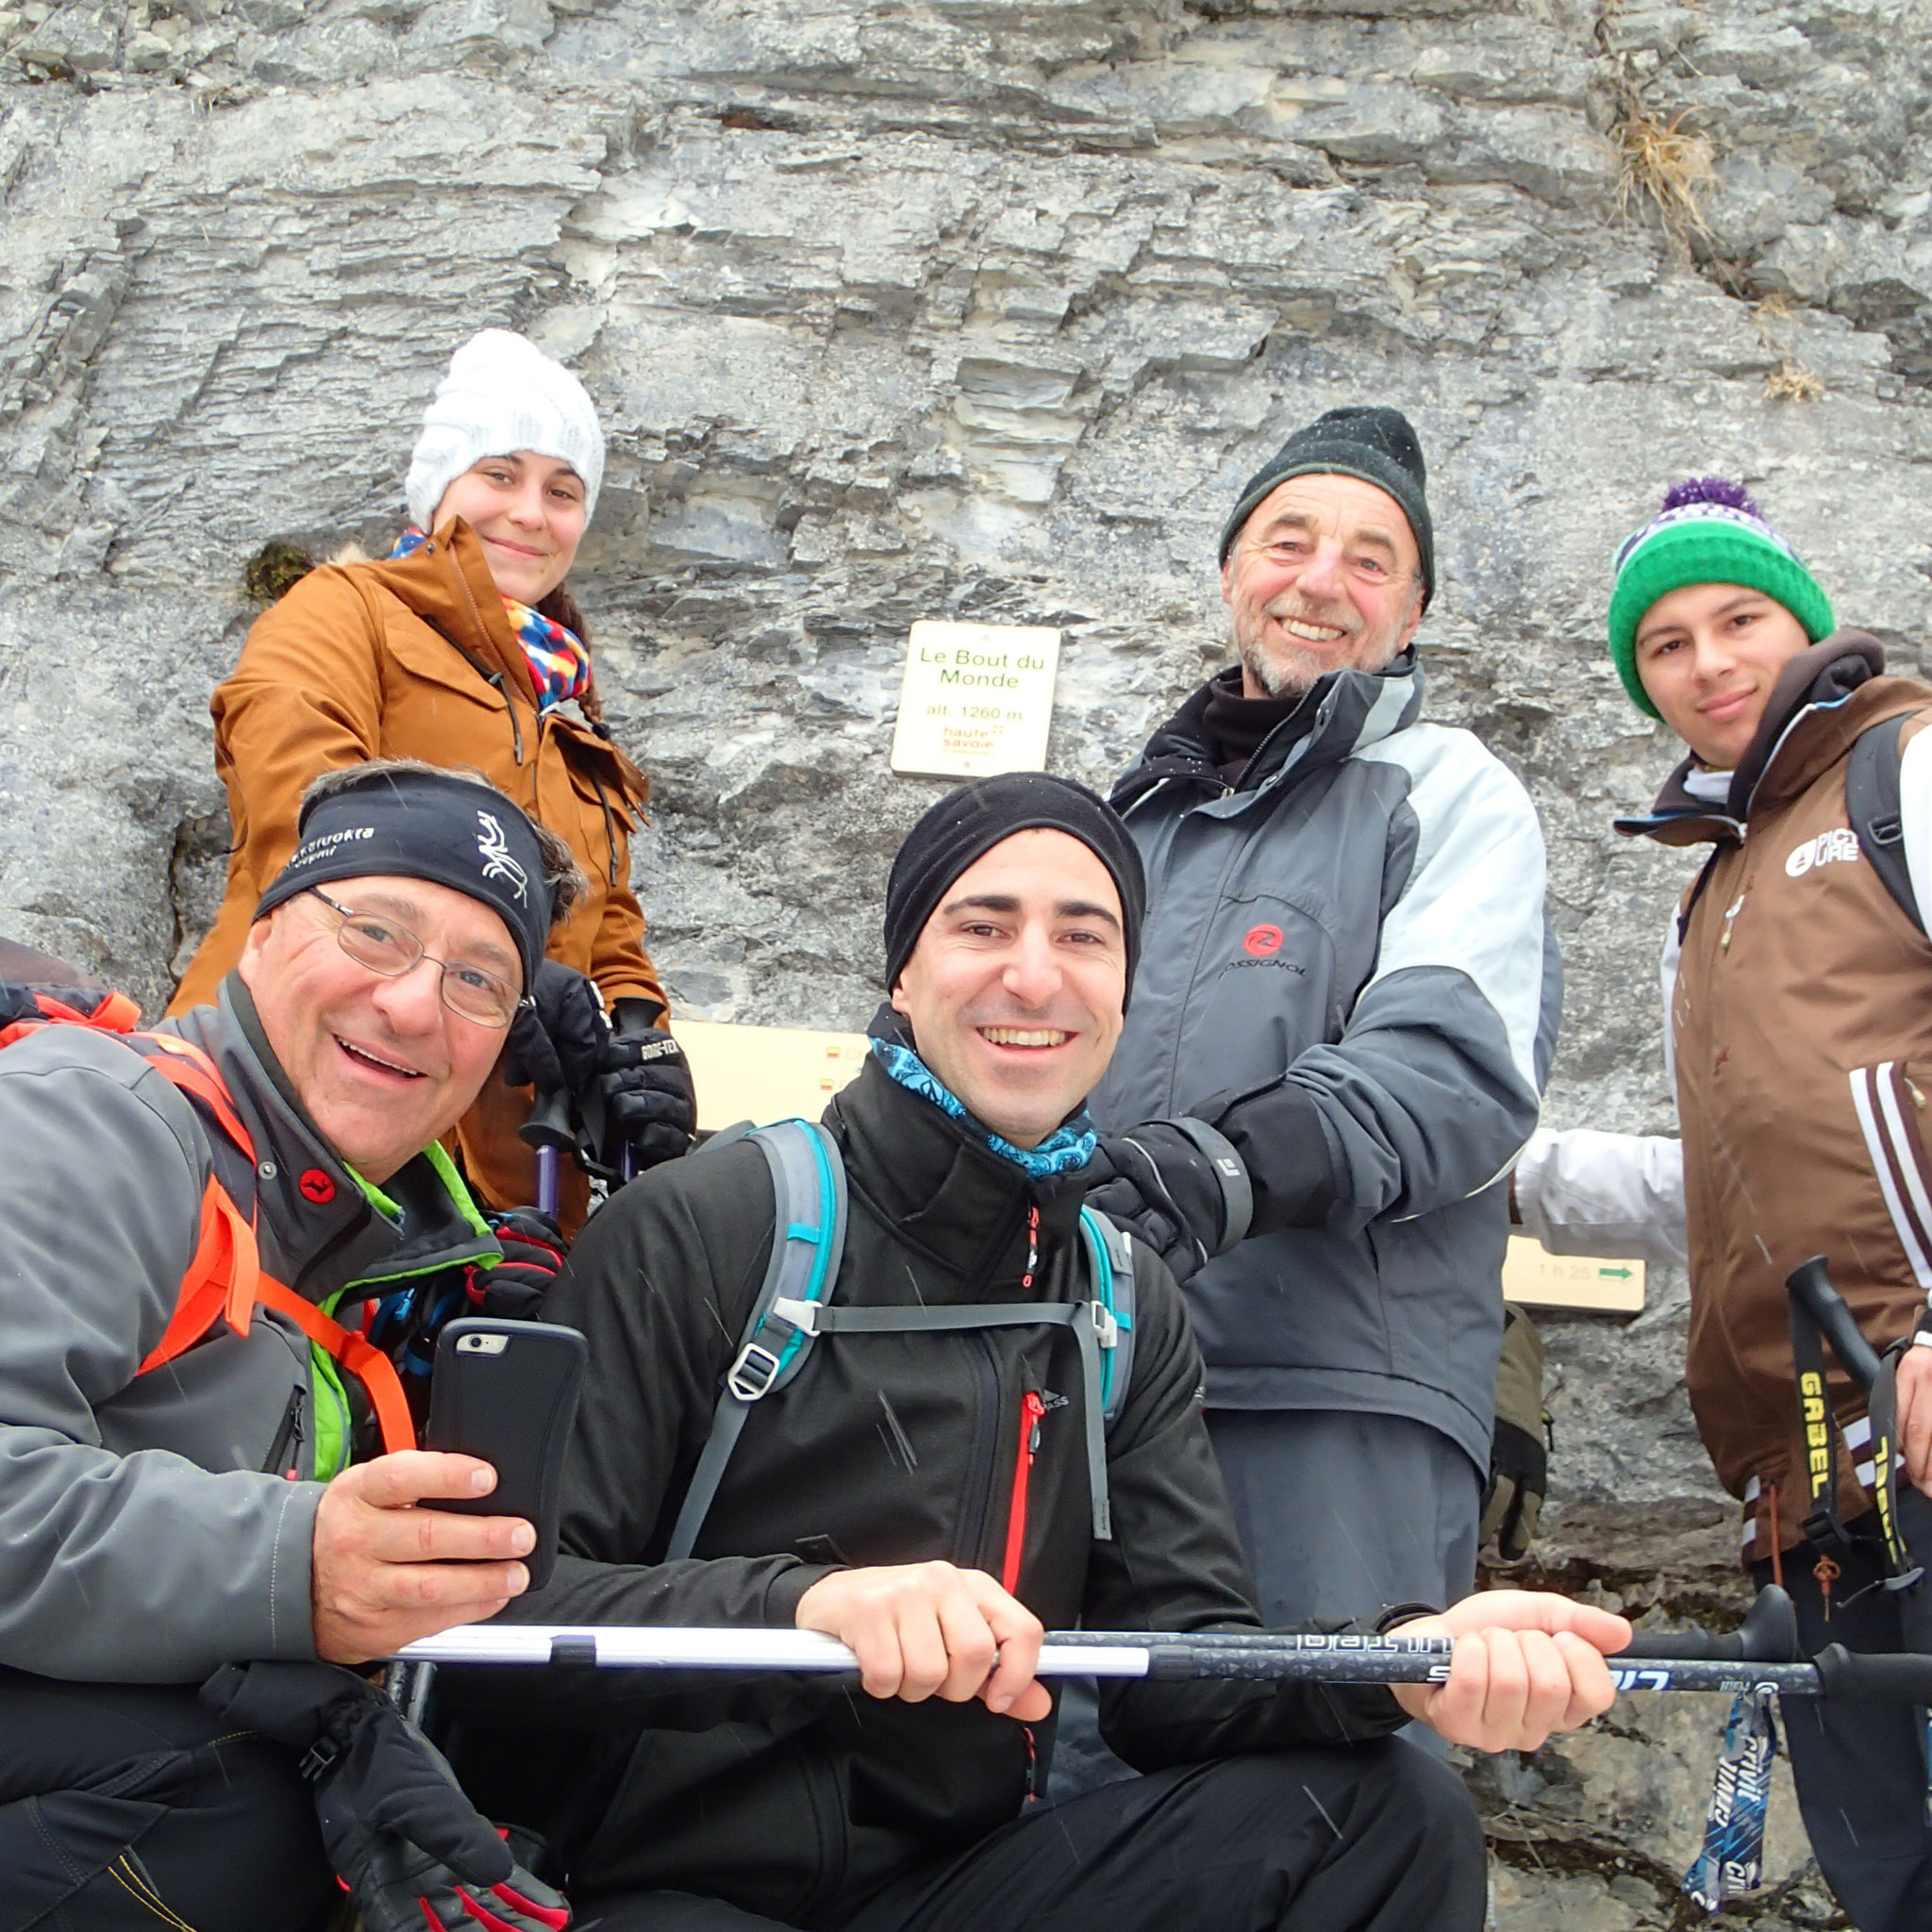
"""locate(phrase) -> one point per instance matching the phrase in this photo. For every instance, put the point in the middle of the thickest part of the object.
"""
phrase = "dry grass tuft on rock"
(1792, 382)
(1663, 164)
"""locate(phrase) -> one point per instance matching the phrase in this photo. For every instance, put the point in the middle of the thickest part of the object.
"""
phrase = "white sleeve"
(1667, 986)
(1585, 1193)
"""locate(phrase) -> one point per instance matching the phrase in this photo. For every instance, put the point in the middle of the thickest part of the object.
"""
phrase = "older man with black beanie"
(938, 1468)
(1345, 974)
(204, 1457)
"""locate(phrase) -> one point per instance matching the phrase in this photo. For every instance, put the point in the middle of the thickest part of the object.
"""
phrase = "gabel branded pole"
(1667, 1661)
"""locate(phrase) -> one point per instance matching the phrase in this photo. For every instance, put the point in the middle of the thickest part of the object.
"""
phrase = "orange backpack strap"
(224, 1279)
(221, 1281)
(355, 1353)
(198, 1077)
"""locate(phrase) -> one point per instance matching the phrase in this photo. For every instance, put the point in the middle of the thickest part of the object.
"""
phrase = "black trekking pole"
(1810, 1288)
(1760, 1657)
(1818, 1310)
(549, 1131)
(409, 1678)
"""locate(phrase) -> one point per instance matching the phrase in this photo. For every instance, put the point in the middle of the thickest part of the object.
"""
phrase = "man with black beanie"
(1346, 975)
(204, 1458)
(930, 1481)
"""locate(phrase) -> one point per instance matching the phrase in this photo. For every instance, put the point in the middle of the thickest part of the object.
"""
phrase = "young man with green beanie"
(1799, 995)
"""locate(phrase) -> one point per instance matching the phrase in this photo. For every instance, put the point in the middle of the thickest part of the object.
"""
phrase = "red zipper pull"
(1031, 1410)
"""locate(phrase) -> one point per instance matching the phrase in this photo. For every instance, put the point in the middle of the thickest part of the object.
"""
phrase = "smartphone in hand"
(506, 1392)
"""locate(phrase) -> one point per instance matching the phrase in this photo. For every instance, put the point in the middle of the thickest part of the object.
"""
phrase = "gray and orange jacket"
(155, 1524)
(1801, 1029)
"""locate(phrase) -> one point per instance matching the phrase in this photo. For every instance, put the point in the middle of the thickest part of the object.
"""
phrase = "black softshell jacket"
(791, 1798)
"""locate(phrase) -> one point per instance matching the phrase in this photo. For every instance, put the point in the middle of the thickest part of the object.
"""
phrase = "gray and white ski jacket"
(1346, 969)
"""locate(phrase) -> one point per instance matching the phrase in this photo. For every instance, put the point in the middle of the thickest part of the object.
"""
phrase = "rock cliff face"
(976, 309)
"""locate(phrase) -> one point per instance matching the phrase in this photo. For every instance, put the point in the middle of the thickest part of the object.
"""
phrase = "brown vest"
(1801, 1024)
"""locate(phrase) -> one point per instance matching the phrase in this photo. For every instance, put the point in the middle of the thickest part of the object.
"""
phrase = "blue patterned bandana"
(1063, 1151)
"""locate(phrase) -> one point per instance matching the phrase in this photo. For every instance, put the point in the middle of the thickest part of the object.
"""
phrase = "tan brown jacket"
(1801, 1023)
(415, 659)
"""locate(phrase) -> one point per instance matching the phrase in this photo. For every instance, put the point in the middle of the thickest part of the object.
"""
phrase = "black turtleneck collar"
(1326, 722)
(1236, 726)
(938, 1190)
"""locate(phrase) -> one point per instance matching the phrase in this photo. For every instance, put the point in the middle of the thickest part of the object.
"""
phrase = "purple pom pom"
(1720, 490)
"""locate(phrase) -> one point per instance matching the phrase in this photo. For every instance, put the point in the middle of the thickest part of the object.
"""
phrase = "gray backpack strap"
(1873, 805)
(1111, 1267)
(791, 1313)
(807, 1240)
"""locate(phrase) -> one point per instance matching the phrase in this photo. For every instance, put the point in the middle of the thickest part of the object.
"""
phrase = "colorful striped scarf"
(559, 663)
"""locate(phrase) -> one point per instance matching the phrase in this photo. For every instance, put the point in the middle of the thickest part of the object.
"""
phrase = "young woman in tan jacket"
(464, 649)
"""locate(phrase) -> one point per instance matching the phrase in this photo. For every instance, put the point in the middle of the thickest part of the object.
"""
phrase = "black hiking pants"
(1381, 1838)
(128, 1807)
(1860, 1769)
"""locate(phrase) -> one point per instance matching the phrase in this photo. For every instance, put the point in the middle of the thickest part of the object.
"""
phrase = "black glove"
(1177, 1185)
(533, 1257)
(557, 1044)
(410, 1848)
(644, 1091)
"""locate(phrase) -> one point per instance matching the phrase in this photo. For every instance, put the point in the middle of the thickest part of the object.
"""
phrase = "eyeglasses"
(388, 950)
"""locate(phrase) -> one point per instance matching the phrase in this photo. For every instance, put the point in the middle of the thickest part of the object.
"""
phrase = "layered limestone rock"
(981, 309)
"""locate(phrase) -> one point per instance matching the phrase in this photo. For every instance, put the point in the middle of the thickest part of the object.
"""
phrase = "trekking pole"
(548, 1130)
(1664, 1661)
(1810, 1288)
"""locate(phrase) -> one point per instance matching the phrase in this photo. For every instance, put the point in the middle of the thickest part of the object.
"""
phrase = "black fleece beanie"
(966, 825)
(1372, 444)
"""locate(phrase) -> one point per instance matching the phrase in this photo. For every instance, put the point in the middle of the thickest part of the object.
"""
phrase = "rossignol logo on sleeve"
(1829, 848)
(497, 863)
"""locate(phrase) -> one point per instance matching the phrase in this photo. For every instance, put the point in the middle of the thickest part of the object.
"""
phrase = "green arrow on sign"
(1616, 1274)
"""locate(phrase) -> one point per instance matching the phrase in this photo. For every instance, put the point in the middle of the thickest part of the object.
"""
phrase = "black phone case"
(513, 1407)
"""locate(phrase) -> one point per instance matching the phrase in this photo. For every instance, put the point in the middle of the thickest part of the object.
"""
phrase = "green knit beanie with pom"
(1708, 532)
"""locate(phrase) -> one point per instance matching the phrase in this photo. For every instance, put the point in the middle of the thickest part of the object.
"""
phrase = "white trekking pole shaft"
(1065, 1653)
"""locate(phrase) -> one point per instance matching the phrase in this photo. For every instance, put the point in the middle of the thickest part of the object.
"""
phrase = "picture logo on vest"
(1828, 848)
(1261, 941)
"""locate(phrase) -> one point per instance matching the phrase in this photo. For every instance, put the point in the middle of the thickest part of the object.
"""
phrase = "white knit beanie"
(502, 394)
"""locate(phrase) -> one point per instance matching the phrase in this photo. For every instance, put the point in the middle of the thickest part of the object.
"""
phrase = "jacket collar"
(1822, 699)
(960, 1206)
(1353, 709)
(319, 1230)
(445, 580)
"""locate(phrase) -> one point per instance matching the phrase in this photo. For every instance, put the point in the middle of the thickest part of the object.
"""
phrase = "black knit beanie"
(452, 830)
(1374, 445)
(966, 825)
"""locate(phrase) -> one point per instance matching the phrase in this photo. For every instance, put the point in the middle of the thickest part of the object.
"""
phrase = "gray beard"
(1278, 680)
